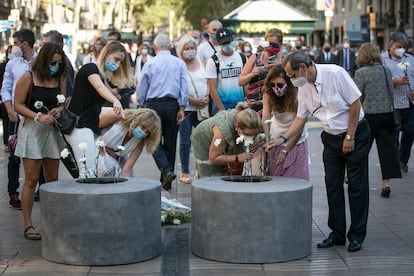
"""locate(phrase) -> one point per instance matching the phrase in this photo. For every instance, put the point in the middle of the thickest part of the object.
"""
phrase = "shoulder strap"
(243, 57)
(29, 95)
(388, 86)
(212, 46)
(216, 62)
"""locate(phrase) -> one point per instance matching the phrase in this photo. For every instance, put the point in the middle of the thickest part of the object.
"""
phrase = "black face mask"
(298, 47)
(327, 49)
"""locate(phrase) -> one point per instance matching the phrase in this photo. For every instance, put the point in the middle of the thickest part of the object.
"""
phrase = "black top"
(86, 98)
(46, 95)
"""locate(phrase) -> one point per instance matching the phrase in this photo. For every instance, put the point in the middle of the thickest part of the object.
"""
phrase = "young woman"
(89, 95)
(39, 142)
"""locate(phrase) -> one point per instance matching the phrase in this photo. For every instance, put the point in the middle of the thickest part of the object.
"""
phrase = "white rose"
(64, 153)
(38, 104)
(60, 98)
(163, 218)
(248, 140)
(217, 142)
(269, 121)
(83, 160)
(261, 136)
(121, 148)
(176, 221)
(100, 144)
(83, 146)
(240, 139)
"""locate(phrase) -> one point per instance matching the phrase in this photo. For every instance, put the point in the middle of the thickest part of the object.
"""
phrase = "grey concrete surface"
(257, 222)
(387, 250)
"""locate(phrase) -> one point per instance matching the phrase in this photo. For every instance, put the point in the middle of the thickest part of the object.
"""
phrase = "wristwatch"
(285, 152)
(349, 137)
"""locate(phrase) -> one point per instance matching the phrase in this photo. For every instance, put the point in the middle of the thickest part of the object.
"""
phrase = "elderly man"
(163, 87)
(327, 92)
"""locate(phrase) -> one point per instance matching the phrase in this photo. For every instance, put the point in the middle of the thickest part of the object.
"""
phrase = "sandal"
(186, 178)
(34, 236)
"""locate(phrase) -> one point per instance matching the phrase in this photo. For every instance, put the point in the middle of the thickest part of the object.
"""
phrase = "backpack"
(217, 63)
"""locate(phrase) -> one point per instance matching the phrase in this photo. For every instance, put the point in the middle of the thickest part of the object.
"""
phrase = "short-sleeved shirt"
(329, 98)
(205, 50)
(86, 98)
(228, 88)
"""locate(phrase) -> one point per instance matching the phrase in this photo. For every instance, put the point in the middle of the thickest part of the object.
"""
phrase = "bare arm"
(103, 91)
(249, 71)
(296, 127)
(107, 119)
(132, 159)
(212, 86)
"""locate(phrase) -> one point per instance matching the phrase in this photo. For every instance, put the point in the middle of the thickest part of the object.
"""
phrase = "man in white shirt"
(206, 49)
(327, 92)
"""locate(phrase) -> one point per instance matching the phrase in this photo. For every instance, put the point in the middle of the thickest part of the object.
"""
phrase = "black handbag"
(67, 121)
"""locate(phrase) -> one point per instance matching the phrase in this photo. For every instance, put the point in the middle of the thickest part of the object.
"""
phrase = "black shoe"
(167, 179)
(354, 246)
(404, 167)
(15, 202)
(329, 243)
(385, 192)
(37, 196)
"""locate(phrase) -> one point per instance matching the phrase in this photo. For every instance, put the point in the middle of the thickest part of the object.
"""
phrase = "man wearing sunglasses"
(328, 92)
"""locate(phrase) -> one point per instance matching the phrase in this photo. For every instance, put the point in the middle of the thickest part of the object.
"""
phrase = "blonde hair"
(368, 55)
(149, 119)
(246, 118)
(122, 77)
(186, 39)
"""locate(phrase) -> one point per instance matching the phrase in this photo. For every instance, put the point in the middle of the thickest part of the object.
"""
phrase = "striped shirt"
(401, 92)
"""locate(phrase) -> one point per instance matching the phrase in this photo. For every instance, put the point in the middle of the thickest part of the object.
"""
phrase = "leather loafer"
(354, 246)
(329, 243)
(167, 179)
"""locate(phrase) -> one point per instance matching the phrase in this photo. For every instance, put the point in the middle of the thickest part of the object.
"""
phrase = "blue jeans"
(13, 166)
(186, 129)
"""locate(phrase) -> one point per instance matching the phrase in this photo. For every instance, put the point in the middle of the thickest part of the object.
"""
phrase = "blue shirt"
(401, 92)
(14, 70)
(163, 76)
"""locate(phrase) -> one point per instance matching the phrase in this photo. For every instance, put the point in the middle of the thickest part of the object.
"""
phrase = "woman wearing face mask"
(39, 142)
(138, 129)
(197, 98)
(144, 56)
(255, 70)
(90, 93)
(280, 105)
(96, 50)
(246, 49)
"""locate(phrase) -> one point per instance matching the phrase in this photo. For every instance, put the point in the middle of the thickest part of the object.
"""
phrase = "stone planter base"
(101, 224)
(257, 222)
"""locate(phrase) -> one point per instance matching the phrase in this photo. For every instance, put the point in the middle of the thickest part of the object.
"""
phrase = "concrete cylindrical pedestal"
(259, 222)
(101, 224)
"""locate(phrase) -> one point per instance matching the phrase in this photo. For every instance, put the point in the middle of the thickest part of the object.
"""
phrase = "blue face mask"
(228, 48)
(139, 133)
(111, 66)
(10, 56)
(53, 70)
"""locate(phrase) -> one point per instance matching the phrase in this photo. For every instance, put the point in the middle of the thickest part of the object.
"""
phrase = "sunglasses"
(56, 63)
(279, 84)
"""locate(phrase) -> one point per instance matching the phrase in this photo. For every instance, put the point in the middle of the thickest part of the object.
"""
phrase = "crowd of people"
(145, 95)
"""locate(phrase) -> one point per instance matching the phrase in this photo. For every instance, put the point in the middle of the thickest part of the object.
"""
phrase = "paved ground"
(387, 250)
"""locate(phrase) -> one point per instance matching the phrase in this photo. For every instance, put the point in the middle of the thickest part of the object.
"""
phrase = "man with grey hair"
(206, 49)
(402, 68)
(163, 87)
(327, 92)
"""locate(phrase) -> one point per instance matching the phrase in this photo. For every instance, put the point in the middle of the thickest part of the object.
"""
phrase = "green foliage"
(168, 217)
(306, 6)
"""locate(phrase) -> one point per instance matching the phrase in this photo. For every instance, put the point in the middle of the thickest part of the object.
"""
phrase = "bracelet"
(283, 137)
(37, 117)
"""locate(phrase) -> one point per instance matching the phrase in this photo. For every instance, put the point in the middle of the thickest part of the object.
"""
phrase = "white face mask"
(299, 81)
(189, 54)
(399, 52)
(346, 45)
(144, 51)
(247, 49)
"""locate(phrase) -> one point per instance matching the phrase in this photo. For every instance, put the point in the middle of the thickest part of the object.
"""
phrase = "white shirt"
(199, 79)
(329, 98)
(205, 51)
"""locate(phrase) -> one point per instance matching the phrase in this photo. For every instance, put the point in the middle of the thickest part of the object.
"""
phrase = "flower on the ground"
(61, 98)
(176, 221)
(64, 153)
(38, 104)
(217, 142)
(163, 217)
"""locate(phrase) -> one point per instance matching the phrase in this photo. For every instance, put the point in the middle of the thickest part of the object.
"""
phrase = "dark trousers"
(356, 164)
(164, 155)
(13, 166)
(383, 132)
(407, 133)
(5, 118)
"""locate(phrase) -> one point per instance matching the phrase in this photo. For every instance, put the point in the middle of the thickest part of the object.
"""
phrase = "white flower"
(217, 142)
(176, 221)
(64, 153)
(403, 66)
(261, 136)
(38, 104)
(240, 139)
(121, 148)
(83, 160)
(268, 122)
(100, 144)
(60, 98)
(248, 140)
(83, 146)
(163, 217)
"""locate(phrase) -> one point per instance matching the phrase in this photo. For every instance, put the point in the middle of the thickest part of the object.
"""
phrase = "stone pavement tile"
(230, 272)
(42, 267)
(200, 266)
(316, 266)
(150, 267)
